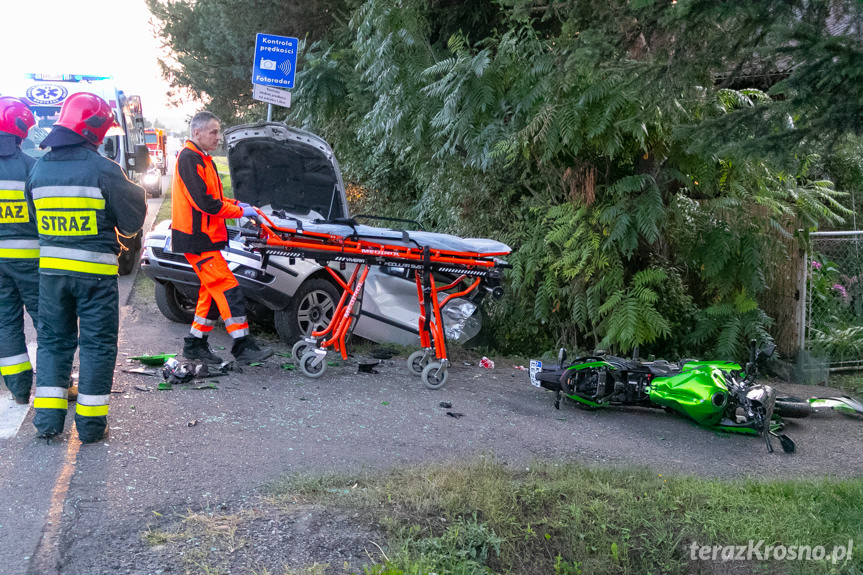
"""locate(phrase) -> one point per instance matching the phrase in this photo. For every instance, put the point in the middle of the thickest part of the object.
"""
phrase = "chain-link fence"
(834, 302)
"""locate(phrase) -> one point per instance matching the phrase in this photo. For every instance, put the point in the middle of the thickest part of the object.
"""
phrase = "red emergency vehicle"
(156, 144)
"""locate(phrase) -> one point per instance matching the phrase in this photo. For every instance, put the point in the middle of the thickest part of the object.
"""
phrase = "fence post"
(802, 304)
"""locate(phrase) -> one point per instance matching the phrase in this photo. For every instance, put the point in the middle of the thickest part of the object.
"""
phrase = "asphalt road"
(75, 509)
(27, 499)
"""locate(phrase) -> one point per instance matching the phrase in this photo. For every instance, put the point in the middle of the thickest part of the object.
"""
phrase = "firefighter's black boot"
(197, 348)
(246, 351)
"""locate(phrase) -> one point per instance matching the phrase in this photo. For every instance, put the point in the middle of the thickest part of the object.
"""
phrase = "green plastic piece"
(154, 359)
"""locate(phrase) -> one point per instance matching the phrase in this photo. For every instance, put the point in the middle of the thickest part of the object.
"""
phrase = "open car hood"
(285, 168)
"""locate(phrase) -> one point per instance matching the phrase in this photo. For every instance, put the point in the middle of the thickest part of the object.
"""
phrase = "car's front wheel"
(311, 309)
(173, 304)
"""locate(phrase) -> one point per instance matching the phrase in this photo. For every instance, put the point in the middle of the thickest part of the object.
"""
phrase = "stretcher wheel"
(434, 375)
(299, 350)
(313, 365)
(417, 361)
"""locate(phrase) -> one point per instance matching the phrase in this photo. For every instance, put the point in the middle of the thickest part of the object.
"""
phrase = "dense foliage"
(641, 157)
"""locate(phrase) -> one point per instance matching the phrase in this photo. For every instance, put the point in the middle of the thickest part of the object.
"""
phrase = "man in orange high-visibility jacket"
(198, 230)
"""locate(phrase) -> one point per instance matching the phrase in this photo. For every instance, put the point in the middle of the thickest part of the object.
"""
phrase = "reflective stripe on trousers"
(51, 398)
(15, 364)
(201, 326)
(92, 405)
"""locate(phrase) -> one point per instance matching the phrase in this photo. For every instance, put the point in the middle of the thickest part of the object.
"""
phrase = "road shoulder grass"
(485, 517)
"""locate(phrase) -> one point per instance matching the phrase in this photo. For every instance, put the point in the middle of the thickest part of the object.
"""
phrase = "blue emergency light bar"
(66, 77)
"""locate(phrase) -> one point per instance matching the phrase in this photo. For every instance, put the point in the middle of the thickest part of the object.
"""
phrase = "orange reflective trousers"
(219, 286)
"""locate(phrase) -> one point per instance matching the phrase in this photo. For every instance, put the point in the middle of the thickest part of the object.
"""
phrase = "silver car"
(293, 175)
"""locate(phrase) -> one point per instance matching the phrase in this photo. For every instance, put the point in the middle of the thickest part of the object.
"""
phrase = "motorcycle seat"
(662, 368)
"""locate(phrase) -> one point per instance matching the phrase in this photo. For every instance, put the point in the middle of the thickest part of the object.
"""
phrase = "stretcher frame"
(472, 267)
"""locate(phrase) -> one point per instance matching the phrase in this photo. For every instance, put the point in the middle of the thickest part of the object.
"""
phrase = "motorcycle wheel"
(792, 407)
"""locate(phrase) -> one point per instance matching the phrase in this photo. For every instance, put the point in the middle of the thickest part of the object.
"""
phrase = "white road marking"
(12, 416)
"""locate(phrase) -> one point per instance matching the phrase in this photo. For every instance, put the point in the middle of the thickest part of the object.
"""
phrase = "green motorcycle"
(716, 394)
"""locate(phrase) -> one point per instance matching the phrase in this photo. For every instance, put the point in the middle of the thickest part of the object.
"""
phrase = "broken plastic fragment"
(842, 403)
(141, 371)
(208, 385)
(154, 359)
(368, 367)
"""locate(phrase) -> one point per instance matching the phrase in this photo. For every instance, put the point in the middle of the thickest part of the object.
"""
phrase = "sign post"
(274, 67)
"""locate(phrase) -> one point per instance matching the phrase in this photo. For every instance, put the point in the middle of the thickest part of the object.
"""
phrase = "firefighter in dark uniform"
(19, 249)
(82, 200)
(198, 214)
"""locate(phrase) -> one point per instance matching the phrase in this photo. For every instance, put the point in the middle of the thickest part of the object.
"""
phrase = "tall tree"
(209, 45)
(640, 156)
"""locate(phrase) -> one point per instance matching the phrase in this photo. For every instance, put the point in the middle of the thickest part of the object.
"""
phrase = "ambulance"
(124, 143)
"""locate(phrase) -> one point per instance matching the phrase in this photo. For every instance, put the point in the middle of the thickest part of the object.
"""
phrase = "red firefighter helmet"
(16, 118)
(87, 115)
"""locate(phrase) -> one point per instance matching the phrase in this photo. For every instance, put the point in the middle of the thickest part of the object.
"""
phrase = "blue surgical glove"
(243, 204)
(249, 211)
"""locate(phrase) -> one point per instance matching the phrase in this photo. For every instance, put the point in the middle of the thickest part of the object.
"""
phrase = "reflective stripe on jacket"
(18, 235)
(81, 200)
(199, 206)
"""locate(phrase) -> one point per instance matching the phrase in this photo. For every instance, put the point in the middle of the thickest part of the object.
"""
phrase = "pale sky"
(98, 37)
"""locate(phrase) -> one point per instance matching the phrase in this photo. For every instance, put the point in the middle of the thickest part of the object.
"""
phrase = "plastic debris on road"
(141, 371)
(486, 363)
(155, 360)
(368, 367)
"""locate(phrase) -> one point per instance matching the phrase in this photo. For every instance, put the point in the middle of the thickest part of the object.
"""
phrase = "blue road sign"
(275, 61)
